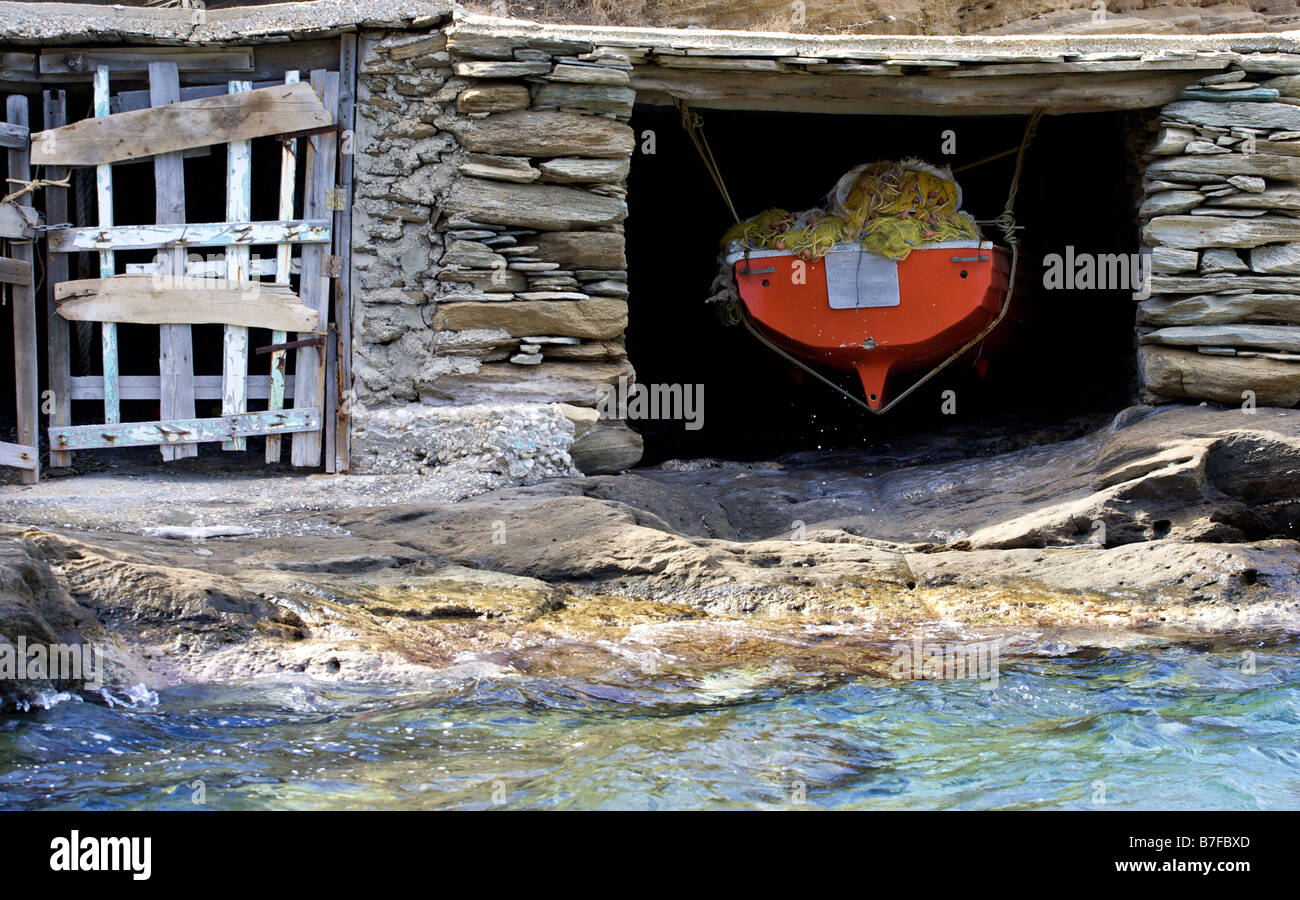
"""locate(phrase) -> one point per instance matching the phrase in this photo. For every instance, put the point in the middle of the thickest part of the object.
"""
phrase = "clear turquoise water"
(1178, 727)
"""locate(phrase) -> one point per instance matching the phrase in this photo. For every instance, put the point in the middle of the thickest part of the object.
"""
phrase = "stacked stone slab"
(1221, 214)
(491, 267)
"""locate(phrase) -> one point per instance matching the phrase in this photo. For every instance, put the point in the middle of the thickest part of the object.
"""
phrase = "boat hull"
(857, 311)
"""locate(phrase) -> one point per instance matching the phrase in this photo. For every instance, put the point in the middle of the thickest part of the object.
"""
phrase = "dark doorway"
(1074, 350)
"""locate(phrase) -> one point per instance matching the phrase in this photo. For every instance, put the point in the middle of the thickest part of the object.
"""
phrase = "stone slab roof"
(973, 48)
(67, 23)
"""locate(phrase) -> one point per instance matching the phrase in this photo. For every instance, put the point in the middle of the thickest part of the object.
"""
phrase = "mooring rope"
(693, 123)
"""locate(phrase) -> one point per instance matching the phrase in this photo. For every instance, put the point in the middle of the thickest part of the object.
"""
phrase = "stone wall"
(491, 287)
(491, 186)
(1221, 214)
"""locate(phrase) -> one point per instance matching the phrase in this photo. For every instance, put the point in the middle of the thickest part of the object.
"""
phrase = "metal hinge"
(336, 199)
(317, 341)
(333, 267)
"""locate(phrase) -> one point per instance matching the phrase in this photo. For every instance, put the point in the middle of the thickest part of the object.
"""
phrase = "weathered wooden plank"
(18, 65)
(58, 337)
(175, 342)
(126, 101)
(239, 201)
(315, 283)
(147, 387)
(155, 300)
(148, 434)
(23, 297)
(283, 267)
(15, 271)
(107, 260)
(182, 125)
(1077, 67)
(338, 429)
(16, 223)
(136, 60)
(206, 234)
(13, 137)
(912, 95)
(19, 456)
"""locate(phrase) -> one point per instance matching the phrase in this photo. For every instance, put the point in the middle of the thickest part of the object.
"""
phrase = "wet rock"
(1167, 518)
(35, 610)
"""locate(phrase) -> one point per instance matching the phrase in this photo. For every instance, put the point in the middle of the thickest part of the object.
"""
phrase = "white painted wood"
(208, 234)
(107, 259)
(149, 434)
(239, 200)
(147, 387)
(283, 268)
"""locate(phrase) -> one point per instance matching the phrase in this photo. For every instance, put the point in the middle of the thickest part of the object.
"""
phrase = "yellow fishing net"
(887, 207)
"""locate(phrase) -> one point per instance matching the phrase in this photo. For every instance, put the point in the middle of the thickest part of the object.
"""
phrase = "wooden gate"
(176, 292)
(18, 231)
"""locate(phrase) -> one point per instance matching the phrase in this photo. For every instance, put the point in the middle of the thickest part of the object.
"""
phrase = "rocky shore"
(1170, 521)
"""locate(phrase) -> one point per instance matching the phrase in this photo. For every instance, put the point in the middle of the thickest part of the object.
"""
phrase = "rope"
(693, 123)
(1007, 223)
(29, 187)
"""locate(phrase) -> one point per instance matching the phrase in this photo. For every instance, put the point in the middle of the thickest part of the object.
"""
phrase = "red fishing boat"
(853, 310)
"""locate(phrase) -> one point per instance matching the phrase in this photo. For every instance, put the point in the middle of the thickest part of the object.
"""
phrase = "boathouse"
(372, 237)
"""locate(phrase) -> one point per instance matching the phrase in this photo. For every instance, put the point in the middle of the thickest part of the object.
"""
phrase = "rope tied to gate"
(32, 186)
